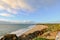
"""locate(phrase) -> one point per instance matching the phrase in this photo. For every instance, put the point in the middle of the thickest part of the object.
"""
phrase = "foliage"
(53, 27)
(40, 39)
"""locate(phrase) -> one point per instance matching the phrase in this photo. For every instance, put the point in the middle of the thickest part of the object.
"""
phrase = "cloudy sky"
(30, 10)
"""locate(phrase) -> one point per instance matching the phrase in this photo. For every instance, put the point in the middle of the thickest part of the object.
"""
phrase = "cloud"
(16, 21)
(2, 19)
(16, 3)
(13, 6)
(7, 20)
(6, 15)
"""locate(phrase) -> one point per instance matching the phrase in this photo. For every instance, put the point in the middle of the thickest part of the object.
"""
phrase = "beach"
(28, 30)
(12, 28)
(32, 32)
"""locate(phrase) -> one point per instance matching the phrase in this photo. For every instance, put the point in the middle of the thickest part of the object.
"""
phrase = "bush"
(40, 39)
(43, 39)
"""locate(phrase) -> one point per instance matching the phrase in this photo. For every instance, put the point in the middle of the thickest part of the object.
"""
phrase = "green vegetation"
(51, 28)
(40, 39)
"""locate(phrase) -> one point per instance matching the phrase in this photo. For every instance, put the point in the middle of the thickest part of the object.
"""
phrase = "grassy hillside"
(42, 39)
(51, 28)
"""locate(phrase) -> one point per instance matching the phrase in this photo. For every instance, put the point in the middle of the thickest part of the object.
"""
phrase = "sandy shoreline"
(21, 31)
(36, 28)
(28, 30)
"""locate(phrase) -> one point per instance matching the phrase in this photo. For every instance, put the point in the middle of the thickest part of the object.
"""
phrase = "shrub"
(40, 39)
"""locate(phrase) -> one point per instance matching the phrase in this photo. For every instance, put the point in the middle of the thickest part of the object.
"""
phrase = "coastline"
(32, 32)
(20, 31)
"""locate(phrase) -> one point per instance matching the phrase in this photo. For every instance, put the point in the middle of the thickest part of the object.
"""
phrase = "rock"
(10, 37)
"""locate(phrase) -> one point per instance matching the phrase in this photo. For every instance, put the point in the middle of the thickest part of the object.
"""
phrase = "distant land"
(6, 22)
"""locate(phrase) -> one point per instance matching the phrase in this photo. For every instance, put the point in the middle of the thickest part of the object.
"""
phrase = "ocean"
(8, 28)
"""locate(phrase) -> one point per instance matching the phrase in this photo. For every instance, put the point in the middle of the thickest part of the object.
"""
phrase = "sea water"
(8, 28)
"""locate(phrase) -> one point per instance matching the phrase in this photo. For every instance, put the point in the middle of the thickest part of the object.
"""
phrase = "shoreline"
(21, 31)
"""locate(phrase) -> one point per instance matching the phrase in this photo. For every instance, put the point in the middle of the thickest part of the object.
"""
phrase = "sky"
(40, 11)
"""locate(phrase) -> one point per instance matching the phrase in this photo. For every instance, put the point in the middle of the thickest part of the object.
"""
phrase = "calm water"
(8, 28)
